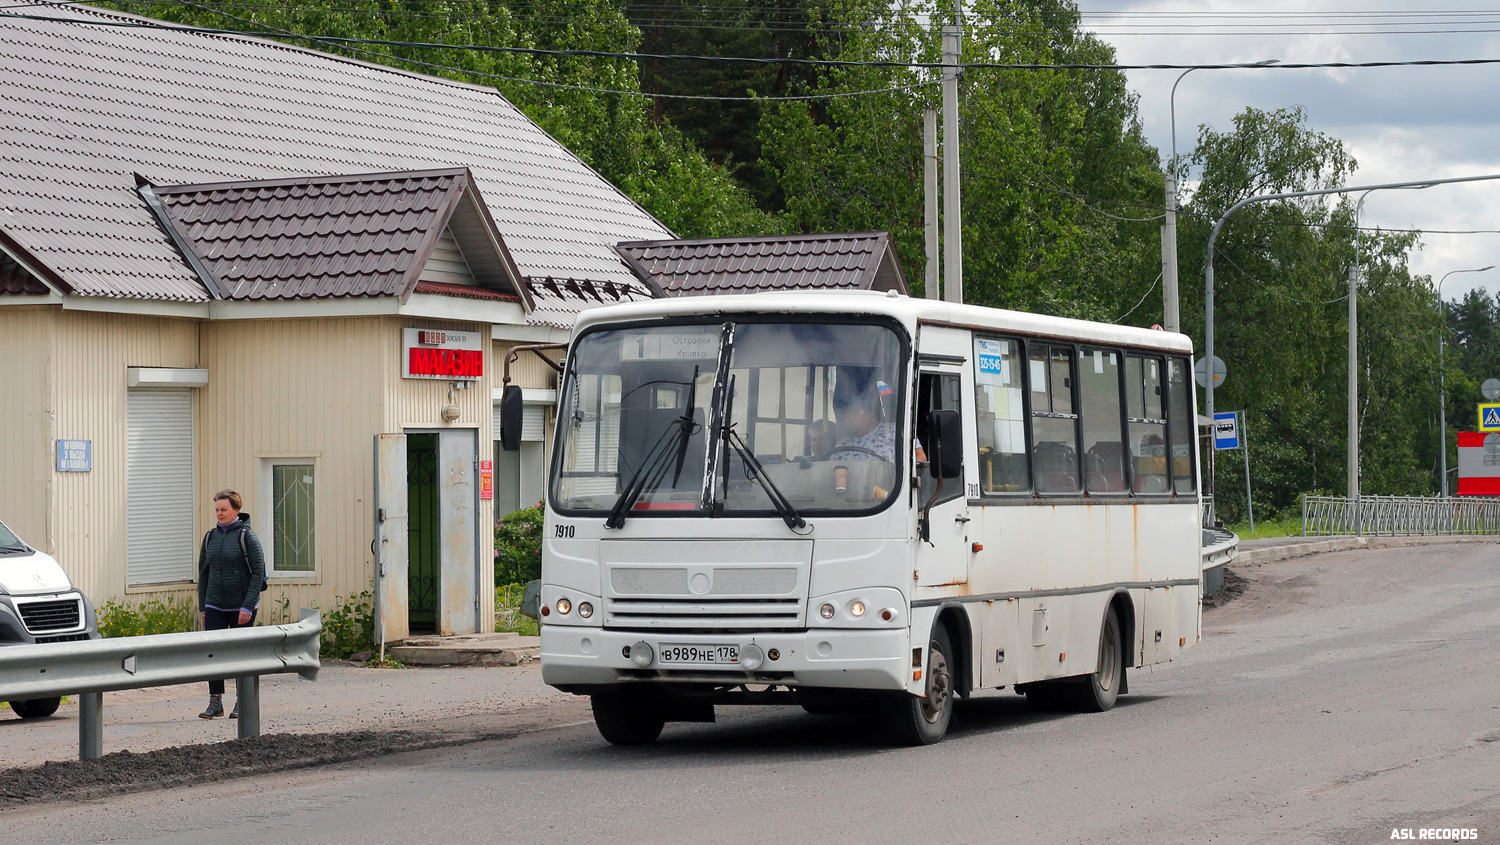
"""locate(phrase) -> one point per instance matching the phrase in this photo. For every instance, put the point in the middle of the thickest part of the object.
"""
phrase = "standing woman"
(231, 575)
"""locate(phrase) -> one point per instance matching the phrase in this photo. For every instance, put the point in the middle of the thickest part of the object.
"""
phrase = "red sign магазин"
(456, 363)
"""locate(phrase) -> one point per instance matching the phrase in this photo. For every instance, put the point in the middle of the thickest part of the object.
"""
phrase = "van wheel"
(1099, 691)
(36, 708)
(923, 721)
(626, 719)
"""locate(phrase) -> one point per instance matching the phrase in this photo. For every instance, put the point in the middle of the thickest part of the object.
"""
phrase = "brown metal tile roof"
(84, 108)
(850, 261)
(331, 236)
(15, 279)
(558, 301)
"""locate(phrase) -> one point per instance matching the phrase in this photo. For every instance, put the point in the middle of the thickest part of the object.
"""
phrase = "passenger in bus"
(820, 439)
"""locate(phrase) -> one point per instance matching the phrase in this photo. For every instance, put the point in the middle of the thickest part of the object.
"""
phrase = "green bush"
(508, 616)
(518, 546)
(349, 627)
(157, 616)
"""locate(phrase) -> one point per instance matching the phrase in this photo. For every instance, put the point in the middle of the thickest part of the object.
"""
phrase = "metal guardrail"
(90, 668)
(1398, 516)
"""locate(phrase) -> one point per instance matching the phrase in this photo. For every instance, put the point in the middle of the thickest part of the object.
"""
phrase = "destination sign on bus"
(670, 346)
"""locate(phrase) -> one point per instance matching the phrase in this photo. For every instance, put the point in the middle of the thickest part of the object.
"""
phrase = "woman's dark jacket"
(224, 579)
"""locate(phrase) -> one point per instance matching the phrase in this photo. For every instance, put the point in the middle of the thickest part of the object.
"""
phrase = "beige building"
(288, 273)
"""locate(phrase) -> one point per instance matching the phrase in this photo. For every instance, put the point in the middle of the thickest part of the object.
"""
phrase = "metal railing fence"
(1398, 516)
(1206, 510)
(90, 668)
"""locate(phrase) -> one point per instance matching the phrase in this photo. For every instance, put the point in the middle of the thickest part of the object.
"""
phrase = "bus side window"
(936, 392)
(1146, 415)
(1054, 421)
(1180, 422)
(1000, 417)
(1103, 449)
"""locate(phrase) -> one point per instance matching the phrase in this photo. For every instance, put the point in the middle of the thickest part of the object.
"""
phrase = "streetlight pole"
(1208, 268)
(1442, 380)
(1169, 221)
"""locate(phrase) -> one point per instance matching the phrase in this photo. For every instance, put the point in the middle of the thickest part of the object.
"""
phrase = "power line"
(610, 54)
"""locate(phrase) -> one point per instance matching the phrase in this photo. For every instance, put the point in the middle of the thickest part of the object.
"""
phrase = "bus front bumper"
(843, 659)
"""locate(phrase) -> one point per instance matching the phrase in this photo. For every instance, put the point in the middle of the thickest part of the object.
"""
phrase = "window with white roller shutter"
(160, 540)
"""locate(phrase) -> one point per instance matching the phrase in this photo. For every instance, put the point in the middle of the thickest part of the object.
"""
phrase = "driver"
(866, 436)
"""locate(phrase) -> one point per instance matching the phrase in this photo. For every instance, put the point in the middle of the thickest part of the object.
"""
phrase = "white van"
(38, 605)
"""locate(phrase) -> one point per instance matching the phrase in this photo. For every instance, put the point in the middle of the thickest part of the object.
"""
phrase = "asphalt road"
(1344, 698)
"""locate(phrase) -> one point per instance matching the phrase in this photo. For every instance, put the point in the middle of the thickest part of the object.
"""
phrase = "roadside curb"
(1340, 544)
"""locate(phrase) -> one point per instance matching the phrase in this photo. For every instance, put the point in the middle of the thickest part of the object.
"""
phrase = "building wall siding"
(91, 352)
(298, 389)
(26, 423)
(416, 404)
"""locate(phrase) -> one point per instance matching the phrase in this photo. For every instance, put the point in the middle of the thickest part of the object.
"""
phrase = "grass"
(1290, 526)
(508, 615)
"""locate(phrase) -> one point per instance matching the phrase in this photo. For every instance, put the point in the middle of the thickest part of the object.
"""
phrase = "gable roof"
(85, 108)
(368, 235)
(849, 261)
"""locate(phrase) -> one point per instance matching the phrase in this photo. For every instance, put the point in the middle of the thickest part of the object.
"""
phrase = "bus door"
(943, 559)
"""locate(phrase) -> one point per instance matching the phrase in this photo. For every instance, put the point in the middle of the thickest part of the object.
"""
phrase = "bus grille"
(50, 615)
(704, 614)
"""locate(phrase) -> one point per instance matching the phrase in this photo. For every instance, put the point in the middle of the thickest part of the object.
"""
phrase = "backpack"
(244, 553)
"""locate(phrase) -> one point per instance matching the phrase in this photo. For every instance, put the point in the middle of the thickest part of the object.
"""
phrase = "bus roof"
(908, 310)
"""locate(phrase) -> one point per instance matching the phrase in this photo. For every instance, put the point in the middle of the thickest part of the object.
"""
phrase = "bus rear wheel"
(1099, 691)
(626, 719)
(924, 721)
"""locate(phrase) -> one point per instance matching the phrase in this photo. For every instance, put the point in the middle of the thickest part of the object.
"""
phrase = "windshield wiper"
(649, 475)
(754, 469)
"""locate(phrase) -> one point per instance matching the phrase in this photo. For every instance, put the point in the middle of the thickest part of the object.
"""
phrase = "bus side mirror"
(944, 429)
(510, 418)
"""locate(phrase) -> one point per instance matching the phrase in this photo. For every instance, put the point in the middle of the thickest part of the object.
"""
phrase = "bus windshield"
(807, 412)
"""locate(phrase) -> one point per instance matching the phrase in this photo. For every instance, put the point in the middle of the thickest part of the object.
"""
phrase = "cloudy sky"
(1400, 124)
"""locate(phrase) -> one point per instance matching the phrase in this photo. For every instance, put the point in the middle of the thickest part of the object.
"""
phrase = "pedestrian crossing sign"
(1489, 417)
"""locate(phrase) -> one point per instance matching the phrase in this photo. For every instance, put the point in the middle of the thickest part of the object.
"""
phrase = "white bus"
(846, 500)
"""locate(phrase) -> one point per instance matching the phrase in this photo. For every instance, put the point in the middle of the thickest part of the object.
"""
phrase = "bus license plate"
(699, 653)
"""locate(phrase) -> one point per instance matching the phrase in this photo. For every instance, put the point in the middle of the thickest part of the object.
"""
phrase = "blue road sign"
(1489, 417)
(1227, 430)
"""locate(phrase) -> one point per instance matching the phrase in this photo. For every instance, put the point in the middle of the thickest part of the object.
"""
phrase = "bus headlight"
(856, 608)
(585, 609)
(827, 611)
(563, 606)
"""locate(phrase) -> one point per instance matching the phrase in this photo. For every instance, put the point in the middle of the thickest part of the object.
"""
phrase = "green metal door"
(422, 531)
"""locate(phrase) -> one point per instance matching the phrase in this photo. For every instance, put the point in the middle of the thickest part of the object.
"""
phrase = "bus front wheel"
(1099, 691)
(626, 719)
(923, 721)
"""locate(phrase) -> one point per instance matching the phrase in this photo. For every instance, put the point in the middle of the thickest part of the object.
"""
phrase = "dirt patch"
(1234, 587)
(125, 771)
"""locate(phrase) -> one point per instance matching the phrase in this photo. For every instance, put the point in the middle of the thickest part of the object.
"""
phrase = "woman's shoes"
(215, 707)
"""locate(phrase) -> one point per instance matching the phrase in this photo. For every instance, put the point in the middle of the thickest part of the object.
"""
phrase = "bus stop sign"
(1227, 430)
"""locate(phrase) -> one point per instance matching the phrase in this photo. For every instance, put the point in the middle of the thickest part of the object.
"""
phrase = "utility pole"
(1169, 258)
(930, 199)
(953, 268)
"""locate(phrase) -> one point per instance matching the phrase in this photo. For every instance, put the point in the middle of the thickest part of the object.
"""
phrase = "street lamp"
(1169, 224)
(1442, 381)
(1208, 264)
